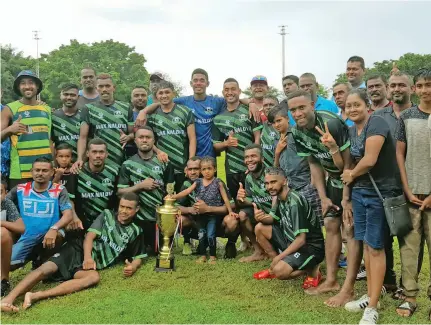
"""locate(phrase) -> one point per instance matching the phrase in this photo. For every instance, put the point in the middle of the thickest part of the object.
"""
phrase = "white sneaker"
(359, 305)
(362, 274)
(371, 316)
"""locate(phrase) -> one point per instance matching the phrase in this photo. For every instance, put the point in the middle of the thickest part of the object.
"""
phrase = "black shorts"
(306, 258)
(336, 196)
(69, 259)
(249, 212)
(233, 181)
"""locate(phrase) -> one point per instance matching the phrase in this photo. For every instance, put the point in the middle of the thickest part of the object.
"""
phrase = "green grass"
(223, 293)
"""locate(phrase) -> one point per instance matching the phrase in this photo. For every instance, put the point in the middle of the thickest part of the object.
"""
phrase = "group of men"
(91, 173)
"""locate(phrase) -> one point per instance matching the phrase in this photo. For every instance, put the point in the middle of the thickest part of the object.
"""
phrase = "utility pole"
(283, 56)
(37, 38)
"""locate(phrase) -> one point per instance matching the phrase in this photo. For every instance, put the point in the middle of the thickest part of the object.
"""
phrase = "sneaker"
(383, 291)
(359, 305)
(5, 287)
(187, 249)
(362, 274)
(371, 316)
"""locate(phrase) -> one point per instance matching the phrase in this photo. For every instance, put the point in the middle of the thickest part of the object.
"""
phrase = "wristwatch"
(54, 228)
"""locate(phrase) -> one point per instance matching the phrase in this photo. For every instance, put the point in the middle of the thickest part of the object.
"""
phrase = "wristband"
(334, 152)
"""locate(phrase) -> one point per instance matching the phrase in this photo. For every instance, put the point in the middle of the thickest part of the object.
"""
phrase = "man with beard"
(146, 176)
(340, 91)
(28, 124)
(139, 101)
(155, 79)
(89, 93)
(377, 87)
(66, 121)
(355, 71)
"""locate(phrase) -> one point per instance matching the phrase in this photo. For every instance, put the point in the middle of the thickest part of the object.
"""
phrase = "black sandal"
(407, 305)
(398, 295)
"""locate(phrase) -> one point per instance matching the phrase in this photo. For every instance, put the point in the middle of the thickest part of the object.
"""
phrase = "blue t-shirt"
(149, 100)
(204, 112)
(347, 121)
(5, 154)
(321, 104)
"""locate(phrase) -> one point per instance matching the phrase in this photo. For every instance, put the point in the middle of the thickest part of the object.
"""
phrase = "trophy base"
(163, 265)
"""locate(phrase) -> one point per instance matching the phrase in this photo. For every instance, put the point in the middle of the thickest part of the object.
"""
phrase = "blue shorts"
(24, 247)
(369, 217)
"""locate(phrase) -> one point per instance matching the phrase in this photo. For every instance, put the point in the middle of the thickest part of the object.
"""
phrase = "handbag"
(396, 211)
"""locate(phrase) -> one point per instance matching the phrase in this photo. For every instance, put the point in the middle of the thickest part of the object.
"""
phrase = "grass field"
(221, 293)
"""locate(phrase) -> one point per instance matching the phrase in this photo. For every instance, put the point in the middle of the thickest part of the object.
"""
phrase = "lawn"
(221, 293)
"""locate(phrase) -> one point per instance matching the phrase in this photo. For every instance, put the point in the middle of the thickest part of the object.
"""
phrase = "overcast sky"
(228, 38)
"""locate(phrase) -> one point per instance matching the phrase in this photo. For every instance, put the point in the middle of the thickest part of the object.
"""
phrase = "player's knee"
(46, 269)
(332, 225)
(230, 223)
(186, 221)
(6, 236)
(242, 216)
(93, 278)
(282, 270)
(349, 232)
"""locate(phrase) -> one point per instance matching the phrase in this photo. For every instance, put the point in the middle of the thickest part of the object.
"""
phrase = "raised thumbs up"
(255, 207)
(18, 127)
(19, 118)
(124, 138)
(231, 140)
(240, 196)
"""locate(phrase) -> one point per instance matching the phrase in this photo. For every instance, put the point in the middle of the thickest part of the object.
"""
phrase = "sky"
(228, 38)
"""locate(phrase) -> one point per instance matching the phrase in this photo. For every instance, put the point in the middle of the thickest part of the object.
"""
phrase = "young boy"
(12, 226)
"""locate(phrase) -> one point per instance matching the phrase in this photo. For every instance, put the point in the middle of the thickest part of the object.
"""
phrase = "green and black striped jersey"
(242, 126)
(296, 216)
(171, 134)
(95, 193)
(136, 170)
(65, 129)
(114, 240)
(107, 122)
(256, 192)
(268, 136)
(308, 143)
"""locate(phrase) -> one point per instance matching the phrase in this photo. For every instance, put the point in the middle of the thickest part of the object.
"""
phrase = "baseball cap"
(156, 75)
(260, 79)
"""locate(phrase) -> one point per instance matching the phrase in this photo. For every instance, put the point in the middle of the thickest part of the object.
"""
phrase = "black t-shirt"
(385, 171)
(70, 181)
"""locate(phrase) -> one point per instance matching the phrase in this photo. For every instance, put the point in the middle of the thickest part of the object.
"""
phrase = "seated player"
(211, 190)
(294, 241)
(112, 237)
(12, 227)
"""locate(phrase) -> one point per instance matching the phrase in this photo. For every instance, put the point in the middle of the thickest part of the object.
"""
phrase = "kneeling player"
(111, 238)
(294, 241)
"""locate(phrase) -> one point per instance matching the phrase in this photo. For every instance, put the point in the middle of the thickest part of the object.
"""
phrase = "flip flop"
(263, 275)
(407, 305)
(310, 282)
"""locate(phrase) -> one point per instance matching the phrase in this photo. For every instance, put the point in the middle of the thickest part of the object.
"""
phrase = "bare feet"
(256, 256)
(28, 300)
(7, 307)
(212, 260)
(407, 308)
(201, 260)
(325, 287)
(340, 299)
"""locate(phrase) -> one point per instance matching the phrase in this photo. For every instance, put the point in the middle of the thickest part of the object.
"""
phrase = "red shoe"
(263, 275)
(310, 282)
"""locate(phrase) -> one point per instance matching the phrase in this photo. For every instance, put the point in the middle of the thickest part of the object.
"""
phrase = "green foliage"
(323, 91)
(272, 91)
(12, 63)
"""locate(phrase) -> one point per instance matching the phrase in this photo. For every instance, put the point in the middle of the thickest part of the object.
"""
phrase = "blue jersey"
(321, 104)
(40, 211)
(204, 112)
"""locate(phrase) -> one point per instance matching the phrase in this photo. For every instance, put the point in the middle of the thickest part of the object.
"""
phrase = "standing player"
(268, 133)
(89, 93)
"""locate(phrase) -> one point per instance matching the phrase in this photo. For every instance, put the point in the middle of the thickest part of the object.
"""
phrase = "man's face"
(2, 192)
(268, 103)
(423, 89)
(289, 86)
(105, 88)
(281, 124)
(144, 140)
(274, 184)
(253, 160)
(139, 98)
(69, 97)
(309, 85)
(340, 93)
(127, 211)
(193, 169)
(165, 96)
(376, 89)
(97, 154)
(354, 72)
(259, 89)
(88, 79)
(42, 172)
(28, 88)
(63, 158)
(199, 83)
(231, 92)
(400, 89)
(302, 110)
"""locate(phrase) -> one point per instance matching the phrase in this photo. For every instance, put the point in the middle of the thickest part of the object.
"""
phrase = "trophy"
(167, 222)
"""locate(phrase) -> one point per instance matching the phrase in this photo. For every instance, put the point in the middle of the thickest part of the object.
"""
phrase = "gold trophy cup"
(167, 222)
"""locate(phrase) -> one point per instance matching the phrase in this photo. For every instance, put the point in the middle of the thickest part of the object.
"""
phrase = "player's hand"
(347, 177)
(347, 213)
(254, 111)
(89, 264)
(141, 119)
(17, 127)
(240, 196)
(41, 102)
(259, 215)
(201, 207)
(149, 184)
(327, 206)
(231, 140)
(60, 171)
(49, 239)
(281, 144)
(326, 138)
(76, 167)
(274, 262)
(426, 204)
(124, 138)
(75, 224)
(162, 157)
(234, 215)
(128, 269)
(414, 199)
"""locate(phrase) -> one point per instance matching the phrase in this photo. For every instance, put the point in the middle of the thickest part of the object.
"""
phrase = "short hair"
(231, 80)
(96, 142)
(89, 68)
(273, 98)
(164, 84)
(195, 158)
(276, 171)
(130, 196)
(377, 75)
(292, 77)
(359, 59)
(252, 146)
(144, 127)
(299, 93)
(4, 183)
(200, 71)
(43, 159)
(422, 74)
(63, 146)
(104, 76)
(277, 111)
(209, 159)
(402, 74)
(362, 93)
(69, 86)
(140, 87)
(347, 84)
(309, 75)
